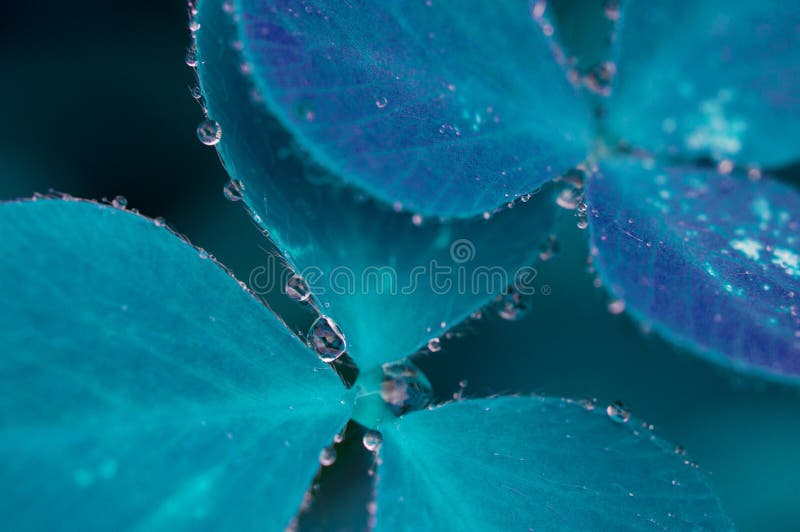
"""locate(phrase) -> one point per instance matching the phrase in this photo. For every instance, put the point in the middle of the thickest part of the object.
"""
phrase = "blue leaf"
(343, 243)
(711, 261)
(447, 109)
(535, 464)
(711, 78)
(141, 386)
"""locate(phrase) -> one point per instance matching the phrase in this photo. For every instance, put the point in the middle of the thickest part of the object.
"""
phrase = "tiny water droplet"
(616, 307)
(326, 339)
(159, 222)
(233, 190)
(196, 92)
(203, 254)
(297, 288)
(327, 456)
(549, 248)
(194, 26)
(191, 58)
(416, 220)
(512, 305)
(372, 440)
(611, 9)
(120, 202)
(434, 345)
(381, 102)
(209, 132)
(618, 412)
(339, 438)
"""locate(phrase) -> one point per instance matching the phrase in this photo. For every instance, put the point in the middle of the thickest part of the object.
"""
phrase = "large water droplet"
(405, 387)
(327, 456)
(209, 132)
(618, 412)
(326, 339)
(372, 440)
(297, 288)
(512, 305)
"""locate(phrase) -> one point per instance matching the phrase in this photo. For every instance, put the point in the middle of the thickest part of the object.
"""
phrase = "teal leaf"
(447, 109)
(142, 387)
(711, 261)
(371, 268)
(535, 464)
(711, 78)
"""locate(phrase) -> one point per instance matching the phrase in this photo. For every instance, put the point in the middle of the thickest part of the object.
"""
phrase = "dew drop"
(191, 58)
(618, 412)
(120, 202)
(381, 102)
(372, 440)
(434, 345)
(209, 132)
(611, 9)
(616, 307)
(416, 220)
(159, 222)
(326, 339)
(567, 200)
(194, 26)
(196, 92)
(549, 249)
(233, 190)
(339, 438)
(327, 456)
(512, 305)
(297, 288)
(404, 387)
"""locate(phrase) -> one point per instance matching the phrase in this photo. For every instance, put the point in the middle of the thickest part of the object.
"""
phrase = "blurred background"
(96, 103)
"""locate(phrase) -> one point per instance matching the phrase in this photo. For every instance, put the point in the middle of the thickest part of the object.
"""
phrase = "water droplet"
(549, 249)
(434, 345)
(405, 387)
(327, 456)
(339, 438)
(616, 307)
(159, 222)
(196, 92)
(567, 199)
(326, 339)
(416, 220)
(618, 412)
(233, 190)
(512, 305)
(680, 451)
(120, 202)
(194, 26)
(191, 58)
(381, 102)
(297, 288)
(209, 132)
(600, 77)
(611, 9)
(372, 440)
